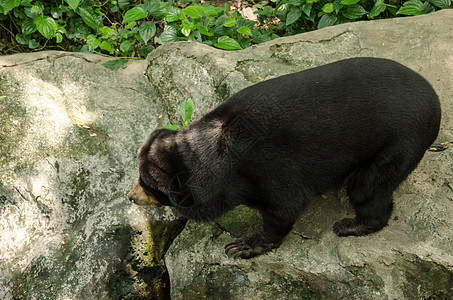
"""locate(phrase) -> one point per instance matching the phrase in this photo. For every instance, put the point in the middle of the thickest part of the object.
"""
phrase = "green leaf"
(282, 10)
(145, 50)
(188, 23)
(62, 30)
(172, 14)
(353, 11)
(92, 42)
(106, 46)
(22, 39)
(147, 31)
(243, 42)
(55, 12)
(123, 4)
(428, 7)
(107, 32)
(267, 11)
(195, 36)
(328, 8)
(327, 20)
(186, 111)
(125, 46)
(171, 127)
(441, 3)
(115, 64)
(136, 13)
(114, 8)
(130, 25)
(245, 30)
(259, 37)
(293, 15)
(170, 34)
(34, 9)
(8, 5)
(230, 22)
(204, 30)
(47, 27)
(411, 8)
(32, 44)
(28, 10)
(28, 27)
(306, 8)
(209, 10)
(337, 5)
(227, 43)
(73, 4)
(349, 2)
(377, 9)
(186, 31)
(194, 12)
(90, 17)
(58, 37)
(156, 9)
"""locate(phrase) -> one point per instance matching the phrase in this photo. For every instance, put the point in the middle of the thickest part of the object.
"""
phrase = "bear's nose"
(129, 196)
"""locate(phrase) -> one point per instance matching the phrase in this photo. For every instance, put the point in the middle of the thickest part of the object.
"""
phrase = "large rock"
(70, 129)
(412, 258)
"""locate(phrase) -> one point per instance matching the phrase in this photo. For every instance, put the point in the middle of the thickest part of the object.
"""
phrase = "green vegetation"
(186, 110)
(127, 28)
(156, 245)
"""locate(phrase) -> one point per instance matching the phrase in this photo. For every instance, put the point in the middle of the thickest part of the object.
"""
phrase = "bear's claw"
(250, 247)
(348, 226)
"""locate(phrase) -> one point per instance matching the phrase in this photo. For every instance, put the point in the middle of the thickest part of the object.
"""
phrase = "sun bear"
(362, 124)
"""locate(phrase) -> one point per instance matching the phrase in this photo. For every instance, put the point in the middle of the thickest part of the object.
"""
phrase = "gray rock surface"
(70, 129)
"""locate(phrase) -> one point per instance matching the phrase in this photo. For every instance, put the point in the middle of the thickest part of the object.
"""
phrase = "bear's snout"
(138, 196)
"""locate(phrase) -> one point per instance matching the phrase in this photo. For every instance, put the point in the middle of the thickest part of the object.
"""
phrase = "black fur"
(363, 123)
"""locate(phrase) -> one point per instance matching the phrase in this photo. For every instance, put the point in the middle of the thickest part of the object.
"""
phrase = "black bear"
(361, 123)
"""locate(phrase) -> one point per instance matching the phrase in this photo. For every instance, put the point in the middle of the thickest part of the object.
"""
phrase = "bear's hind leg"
(372, 214)
(370, 190)
(274, 231)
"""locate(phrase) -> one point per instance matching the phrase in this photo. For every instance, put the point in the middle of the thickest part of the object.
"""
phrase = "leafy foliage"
(135, 28)
(301, 15)
(186, 111)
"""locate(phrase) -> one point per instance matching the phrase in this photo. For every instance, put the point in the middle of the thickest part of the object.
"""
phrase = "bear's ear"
(156, 160)
(162, 167)
(181, 193)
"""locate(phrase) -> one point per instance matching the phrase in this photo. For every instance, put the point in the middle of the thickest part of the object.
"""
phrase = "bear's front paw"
(250, 246)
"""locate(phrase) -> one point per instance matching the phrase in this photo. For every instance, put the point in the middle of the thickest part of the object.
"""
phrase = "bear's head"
(162, 172)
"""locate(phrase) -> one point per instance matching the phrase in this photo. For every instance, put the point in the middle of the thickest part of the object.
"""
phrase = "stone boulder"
(70, 129)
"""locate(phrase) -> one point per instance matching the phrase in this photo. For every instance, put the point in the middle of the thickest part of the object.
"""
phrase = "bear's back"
(330, 118)
(356, 97)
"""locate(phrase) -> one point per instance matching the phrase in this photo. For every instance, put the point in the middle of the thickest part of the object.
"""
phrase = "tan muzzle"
(138, 196)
